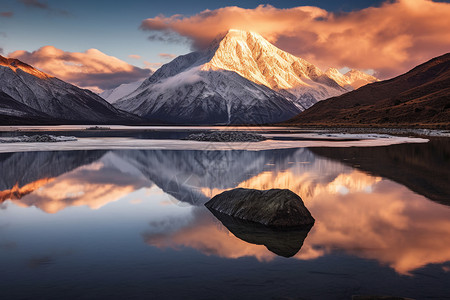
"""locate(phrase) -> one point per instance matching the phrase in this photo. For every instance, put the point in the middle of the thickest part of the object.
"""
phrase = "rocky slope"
(419, 97)
(240, 79)
(13, 112)
(45, 99)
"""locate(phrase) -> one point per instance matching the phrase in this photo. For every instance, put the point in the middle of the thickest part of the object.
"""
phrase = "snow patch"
(42, 138)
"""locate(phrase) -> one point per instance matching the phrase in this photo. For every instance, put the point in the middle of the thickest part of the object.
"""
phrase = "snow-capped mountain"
(112, 95)
(241, 78)
(254, 58)
(353, 79)
(54, 98)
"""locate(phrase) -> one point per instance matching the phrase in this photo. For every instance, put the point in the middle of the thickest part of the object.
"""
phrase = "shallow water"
(131, 224)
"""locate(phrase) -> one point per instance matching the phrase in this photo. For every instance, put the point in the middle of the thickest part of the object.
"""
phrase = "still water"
(130, 224)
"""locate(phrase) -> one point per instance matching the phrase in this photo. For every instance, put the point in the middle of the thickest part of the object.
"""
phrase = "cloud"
(390, 39)
(167, 55)
(188, 77)
(134, 56)
(1, 50)
(90, 69)
(35, 3)
(152, 66)
(6, 14)
(42, 5)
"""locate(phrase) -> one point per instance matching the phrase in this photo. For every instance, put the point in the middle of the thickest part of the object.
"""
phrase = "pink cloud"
(90, 69)
(390, 39)
(134, 56)
(167, 55)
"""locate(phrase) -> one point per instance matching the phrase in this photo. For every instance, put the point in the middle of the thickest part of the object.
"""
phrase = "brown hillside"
(419, 97)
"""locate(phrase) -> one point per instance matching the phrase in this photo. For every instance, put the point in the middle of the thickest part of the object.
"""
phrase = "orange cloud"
(90, 69)
(390, 39)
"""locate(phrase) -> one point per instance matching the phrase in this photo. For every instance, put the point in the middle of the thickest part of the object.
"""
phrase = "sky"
(101, 44)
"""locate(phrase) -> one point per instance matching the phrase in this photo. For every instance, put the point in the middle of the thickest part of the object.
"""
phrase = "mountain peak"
(15, 64)
(359, 78)
(353, 78)
(253, 57)
(242, 34)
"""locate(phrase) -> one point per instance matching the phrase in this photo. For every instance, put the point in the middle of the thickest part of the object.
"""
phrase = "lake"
(131, 223)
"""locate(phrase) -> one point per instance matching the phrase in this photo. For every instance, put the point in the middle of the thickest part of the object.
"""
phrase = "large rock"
(274, 208)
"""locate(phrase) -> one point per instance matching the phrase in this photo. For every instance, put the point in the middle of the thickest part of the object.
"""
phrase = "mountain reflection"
(356, 213)
(90, 179)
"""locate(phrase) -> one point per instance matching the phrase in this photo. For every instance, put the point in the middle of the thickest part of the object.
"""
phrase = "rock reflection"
(206, 234)
(281, 242)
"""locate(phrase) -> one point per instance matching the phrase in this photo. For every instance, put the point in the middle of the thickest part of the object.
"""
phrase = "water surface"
(131, 224)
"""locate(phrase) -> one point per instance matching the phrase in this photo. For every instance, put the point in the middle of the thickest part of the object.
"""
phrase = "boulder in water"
(280, 208)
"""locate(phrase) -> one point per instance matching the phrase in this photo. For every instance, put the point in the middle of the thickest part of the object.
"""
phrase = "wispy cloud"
(6, 14)
(152, 66)
(134, 56)
(390, 38)
(167, 55)
(90, 69)
(42, 5)
(35, 3)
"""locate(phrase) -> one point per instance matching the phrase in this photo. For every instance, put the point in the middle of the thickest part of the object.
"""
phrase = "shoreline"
(418, 132)
(161, 144)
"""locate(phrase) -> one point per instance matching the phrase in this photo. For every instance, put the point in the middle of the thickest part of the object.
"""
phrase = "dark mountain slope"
(418, 97)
